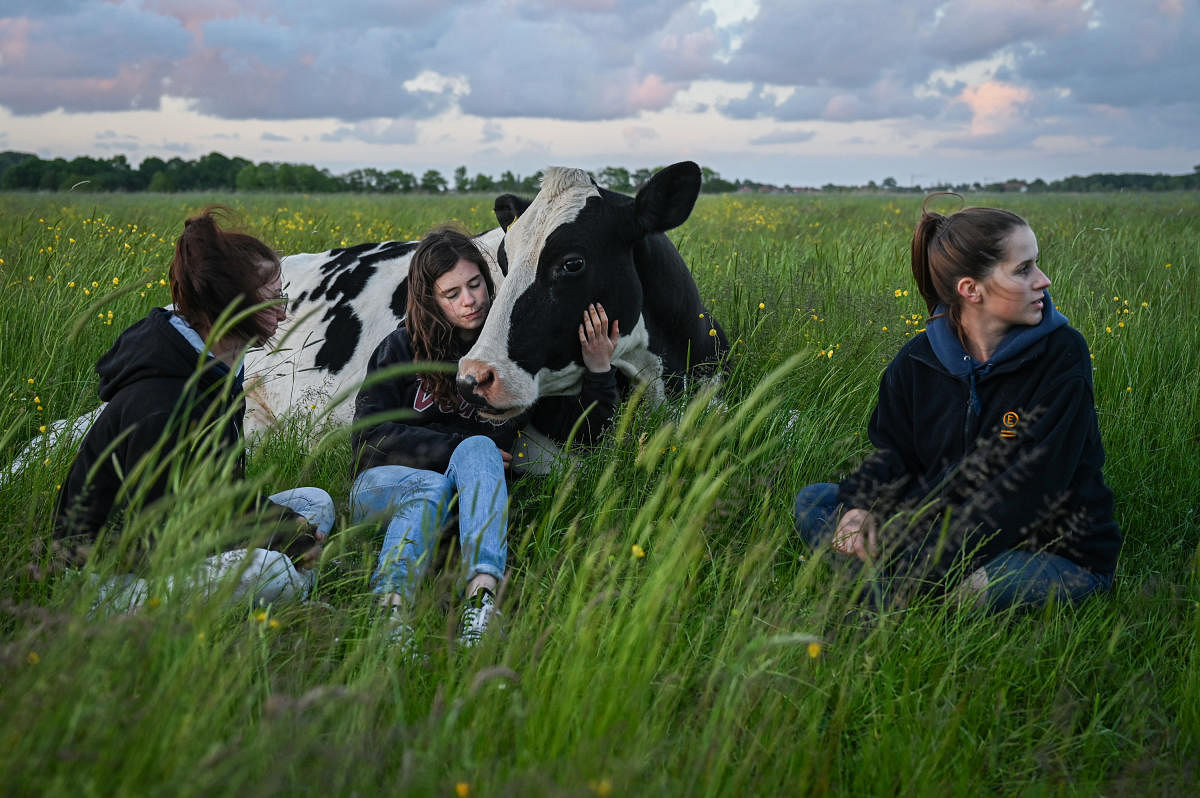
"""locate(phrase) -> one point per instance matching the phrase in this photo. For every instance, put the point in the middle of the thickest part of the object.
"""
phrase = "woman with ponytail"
(987, 461)
(173, 387)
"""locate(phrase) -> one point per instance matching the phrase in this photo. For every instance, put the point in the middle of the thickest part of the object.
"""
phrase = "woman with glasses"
(173, 386)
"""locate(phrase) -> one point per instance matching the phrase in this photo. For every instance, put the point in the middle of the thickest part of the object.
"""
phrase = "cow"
(574, 244)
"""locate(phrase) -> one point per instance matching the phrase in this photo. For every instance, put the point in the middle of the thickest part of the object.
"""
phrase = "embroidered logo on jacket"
(1010, 421)
(423, 400)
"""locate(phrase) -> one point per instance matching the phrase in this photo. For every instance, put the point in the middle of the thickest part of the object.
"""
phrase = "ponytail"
(923, 236)
(214, 269)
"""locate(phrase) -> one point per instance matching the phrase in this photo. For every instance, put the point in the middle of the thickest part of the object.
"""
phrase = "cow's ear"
(508, 207)
(667, 199)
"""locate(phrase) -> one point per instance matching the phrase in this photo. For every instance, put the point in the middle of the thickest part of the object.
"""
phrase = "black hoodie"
(1006, 452)
(427, 435)
(157, 391)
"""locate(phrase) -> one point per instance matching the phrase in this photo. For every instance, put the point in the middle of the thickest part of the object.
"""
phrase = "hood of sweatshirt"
(954, 358)
(152, 349)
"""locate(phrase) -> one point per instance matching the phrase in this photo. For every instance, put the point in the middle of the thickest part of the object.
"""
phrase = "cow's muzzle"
(474, 385)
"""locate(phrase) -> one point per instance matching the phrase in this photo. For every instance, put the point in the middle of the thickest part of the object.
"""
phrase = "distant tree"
(531, 185)
(25, 174)
(405, 182)
(162, 182)
(461, 181)
(482, 182)
(615, 178)
(713, 183)
(248, 179)
(639, 177)
(508, 181)
(433, 182)
(889, 183)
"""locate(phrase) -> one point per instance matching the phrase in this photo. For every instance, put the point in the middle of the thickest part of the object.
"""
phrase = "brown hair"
(967, 243)
(432, 335)
(214, 269)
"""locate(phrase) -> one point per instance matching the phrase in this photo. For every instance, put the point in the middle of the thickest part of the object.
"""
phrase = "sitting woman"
(988, 455)
(410, 468)
(163, 384)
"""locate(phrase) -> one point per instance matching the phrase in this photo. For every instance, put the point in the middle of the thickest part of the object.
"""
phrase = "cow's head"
(573, 245)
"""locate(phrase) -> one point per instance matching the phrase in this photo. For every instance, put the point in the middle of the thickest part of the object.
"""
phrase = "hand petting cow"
(574, 244)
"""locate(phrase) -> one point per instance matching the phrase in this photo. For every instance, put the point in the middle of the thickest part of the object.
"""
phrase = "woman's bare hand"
(857, 534)
(598, 338)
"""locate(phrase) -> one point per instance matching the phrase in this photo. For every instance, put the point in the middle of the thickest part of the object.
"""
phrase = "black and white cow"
(574, 244)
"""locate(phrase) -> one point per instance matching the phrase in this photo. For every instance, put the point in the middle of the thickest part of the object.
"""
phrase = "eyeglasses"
(279, 299)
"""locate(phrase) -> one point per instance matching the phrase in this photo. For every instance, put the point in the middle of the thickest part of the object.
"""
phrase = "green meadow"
(664, 631)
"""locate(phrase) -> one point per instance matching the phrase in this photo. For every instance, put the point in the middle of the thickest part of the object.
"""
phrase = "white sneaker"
(402, 638)
(476, 616)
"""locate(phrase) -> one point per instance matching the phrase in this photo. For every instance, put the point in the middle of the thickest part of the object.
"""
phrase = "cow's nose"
(474, 380)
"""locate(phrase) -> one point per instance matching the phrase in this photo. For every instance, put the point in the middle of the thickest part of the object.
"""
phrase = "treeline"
(21, 171)
(216, 172)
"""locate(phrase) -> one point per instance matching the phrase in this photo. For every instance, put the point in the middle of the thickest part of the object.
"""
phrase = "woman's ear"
(968, 288)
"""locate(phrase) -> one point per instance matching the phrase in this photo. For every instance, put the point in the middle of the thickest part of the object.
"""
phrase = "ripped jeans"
(414, 504)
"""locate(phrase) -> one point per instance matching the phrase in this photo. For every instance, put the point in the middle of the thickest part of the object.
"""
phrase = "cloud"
(376, 131)
(492, 131)
(638, 134)
(781, 136)
(269, 136)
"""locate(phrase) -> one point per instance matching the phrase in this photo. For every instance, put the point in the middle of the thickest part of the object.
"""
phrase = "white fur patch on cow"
(632, 358)
(563, 195)
(285, 377)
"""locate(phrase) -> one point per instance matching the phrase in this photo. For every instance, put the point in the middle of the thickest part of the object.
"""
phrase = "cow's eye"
(572, 266)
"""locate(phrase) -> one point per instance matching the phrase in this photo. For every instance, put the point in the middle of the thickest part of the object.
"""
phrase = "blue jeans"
(414, 505)
(1013, 578)
(312, 503)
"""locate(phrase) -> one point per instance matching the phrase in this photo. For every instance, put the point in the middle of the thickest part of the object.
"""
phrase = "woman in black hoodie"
(172, 397)
(987, 456)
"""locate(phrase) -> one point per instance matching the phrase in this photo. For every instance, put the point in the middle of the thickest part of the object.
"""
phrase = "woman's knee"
(476, 446)
(379, 491)
(815, 510)
(315, 504)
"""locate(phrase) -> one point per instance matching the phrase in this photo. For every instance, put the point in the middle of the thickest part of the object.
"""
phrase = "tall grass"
(665, 632)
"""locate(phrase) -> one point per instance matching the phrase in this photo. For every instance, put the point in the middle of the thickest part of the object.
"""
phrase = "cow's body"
(576, 244)
(342, 304)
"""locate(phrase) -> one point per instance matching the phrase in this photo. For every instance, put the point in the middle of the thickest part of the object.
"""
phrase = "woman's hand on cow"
(857, 534)
(598, 338)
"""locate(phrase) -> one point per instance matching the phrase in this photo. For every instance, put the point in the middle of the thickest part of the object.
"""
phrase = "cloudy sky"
(802, 92)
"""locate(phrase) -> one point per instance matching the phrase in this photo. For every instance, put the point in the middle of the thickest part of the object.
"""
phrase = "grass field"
(725, 660)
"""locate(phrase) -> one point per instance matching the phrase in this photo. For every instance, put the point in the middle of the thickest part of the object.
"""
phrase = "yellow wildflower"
(814, 649)
(637, 551)
(33, 658)
(762, 306)
(462, 789)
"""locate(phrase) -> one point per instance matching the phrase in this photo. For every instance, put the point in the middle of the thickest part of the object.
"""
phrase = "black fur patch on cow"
(346, 273)
(558, 297)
